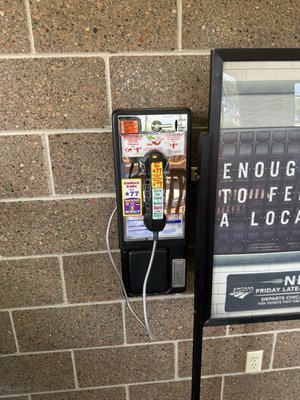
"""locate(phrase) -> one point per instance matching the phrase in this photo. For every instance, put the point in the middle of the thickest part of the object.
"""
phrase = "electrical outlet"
(254, 361)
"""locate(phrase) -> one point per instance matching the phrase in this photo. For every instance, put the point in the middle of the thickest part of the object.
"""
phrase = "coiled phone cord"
(145, 324)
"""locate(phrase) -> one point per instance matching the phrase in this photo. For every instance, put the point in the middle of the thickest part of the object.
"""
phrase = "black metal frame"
(200, 261)
(218, 57)
(206, 201)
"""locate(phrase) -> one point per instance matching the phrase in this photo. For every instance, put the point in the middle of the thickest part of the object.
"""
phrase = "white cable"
(145, 324)
(118, 273)
(145, 288)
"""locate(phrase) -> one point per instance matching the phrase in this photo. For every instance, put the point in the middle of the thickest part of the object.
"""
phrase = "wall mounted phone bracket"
(152, 171)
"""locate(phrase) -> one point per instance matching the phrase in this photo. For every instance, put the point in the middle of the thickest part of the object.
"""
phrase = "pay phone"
(152, 168)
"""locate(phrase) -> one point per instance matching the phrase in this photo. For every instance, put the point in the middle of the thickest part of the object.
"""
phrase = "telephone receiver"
(154, 163)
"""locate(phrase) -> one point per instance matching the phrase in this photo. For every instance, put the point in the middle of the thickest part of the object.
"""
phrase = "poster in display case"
(253, 247)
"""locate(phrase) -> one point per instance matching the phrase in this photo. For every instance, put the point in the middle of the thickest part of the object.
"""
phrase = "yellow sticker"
(157, 179)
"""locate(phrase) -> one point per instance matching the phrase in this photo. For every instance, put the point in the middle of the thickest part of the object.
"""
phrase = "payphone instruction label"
(136, 230)
(132, 197)
(171, 144)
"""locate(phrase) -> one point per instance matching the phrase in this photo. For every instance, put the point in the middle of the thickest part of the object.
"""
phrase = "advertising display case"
(253, 246)
(247, 266)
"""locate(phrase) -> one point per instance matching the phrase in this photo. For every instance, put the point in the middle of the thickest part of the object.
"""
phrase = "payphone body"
(152, 171)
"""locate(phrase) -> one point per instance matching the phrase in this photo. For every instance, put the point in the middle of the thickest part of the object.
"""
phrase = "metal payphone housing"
(137, 133)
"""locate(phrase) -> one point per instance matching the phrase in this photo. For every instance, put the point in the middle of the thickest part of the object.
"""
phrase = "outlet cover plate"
(254, 361)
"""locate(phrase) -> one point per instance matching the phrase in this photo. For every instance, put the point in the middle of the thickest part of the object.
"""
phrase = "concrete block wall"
(65, 332)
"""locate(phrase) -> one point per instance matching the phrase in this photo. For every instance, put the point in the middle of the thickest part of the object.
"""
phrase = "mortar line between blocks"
(176, 361)
(14, 331)
(263, 371)
(273, 351)
(159, 381)
(157, 53)
(222, 388)
(95, 303)
(229, 374)
(74, 369)
(108, 85)
(63, 305)
(67, 130)
(258, 333)
(104, 302)
(82, 389)
(29, 397)
(29, 25)
(84, 349)
(60, 197)
(179, 24)
(82, 253)
(127, 392)
(55, 131)
(124, 322)
(48, 164)
(62, 277)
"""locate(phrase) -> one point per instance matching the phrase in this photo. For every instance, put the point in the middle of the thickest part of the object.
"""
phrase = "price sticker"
(132, 197)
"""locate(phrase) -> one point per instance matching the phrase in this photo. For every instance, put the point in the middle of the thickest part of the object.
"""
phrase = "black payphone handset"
(154, 164)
